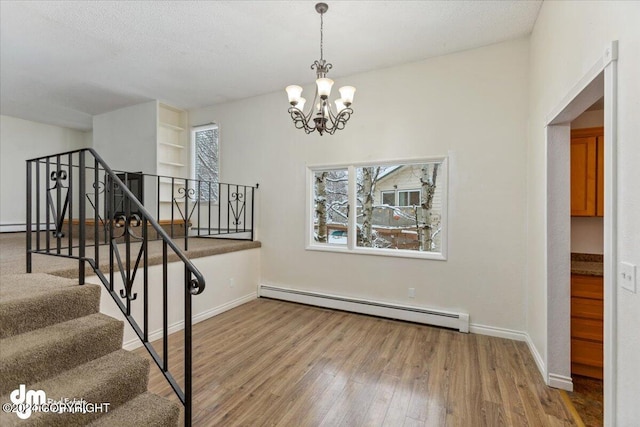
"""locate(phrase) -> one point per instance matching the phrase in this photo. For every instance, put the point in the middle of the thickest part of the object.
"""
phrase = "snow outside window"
(400, 208)
(206, 162)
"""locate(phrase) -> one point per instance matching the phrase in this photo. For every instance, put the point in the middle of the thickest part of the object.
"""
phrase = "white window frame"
(395, 198)
(408, 190)
(351, 247)
(192, 153)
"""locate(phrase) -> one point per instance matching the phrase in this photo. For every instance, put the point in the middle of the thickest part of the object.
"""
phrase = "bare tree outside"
(321, 206)
(427, 191)
(366, 187)
(331, 201)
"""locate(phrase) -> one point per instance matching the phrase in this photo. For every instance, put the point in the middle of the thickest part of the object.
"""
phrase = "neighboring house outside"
(397, 205)
(400, 186)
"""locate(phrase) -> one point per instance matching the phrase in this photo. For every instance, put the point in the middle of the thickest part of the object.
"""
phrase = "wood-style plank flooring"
(274, 363)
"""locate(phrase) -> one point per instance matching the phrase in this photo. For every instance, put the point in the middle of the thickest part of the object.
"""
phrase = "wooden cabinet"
(587, 325)
(587, 172)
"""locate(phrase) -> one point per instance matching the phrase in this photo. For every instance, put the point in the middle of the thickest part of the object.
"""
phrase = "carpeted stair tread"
(46, 352)
(116, 378)
(32, 301)
(146, 410)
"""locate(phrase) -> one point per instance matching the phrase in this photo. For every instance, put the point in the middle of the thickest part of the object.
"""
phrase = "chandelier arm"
(343, 118)
(299, 120)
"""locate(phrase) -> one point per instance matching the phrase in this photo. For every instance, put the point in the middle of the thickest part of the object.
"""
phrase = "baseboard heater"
(447, 319)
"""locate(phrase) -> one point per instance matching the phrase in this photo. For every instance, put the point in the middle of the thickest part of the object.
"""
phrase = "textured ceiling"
(61, 62)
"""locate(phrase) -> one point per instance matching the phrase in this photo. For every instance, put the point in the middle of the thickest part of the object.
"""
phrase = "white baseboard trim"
(538, 359)
(178, 326)
(557, 380)
(447, 319)
(11, 228)
(560, 381)
(493, 331)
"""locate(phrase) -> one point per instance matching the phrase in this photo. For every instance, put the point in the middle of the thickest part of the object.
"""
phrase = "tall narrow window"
(206, 162)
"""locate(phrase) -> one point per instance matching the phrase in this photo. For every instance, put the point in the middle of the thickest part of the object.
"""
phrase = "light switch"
(627, 276)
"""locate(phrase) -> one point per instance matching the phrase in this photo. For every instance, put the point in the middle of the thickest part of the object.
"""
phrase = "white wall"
(471, 106)
(568, 39)
(21, 140)
(219, 295)
(127, 138)
(587, 233)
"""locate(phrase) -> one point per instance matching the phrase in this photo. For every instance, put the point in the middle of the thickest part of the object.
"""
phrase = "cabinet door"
(600, 181)
(583, 176)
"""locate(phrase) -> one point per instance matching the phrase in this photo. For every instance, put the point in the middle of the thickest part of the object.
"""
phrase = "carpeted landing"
(53, 338)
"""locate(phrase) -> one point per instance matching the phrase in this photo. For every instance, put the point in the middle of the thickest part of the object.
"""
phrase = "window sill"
(397, 253)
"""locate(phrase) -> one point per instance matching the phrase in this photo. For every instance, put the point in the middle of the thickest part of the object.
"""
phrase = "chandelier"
(321, 116)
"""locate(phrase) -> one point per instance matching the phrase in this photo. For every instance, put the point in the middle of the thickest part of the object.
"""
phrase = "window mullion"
(353, 210)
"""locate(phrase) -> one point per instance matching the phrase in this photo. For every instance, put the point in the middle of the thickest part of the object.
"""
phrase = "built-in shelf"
(176, 181)
(178, 165)
(168, 144)
(170, 126)
(172, 141)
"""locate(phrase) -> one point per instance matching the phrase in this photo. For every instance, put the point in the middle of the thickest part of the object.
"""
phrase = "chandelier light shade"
(321, 116)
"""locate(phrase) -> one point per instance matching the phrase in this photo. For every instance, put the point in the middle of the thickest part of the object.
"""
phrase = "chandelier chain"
(321, 36)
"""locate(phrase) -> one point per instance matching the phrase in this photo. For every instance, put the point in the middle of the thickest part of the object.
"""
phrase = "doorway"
(598, 82)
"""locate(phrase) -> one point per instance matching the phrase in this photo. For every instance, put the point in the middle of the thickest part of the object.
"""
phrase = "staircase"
(53, 338)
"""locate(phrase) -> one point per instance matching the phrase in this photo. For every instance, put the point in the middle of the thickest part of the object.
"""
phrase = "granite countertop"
(587, 264)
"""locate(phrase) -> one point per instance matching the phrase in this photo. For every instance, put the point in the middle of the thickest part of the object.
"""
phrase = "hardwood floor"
(273, 363)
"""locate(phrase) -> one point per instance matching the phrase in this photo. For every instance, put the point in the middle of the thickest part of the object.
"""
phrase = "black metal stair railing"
(111, 215)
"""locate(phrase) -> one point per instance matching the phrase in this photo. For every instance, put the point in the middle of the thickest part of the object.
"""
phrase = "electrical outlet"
(231, 282)
(627, 276)
(412, 293)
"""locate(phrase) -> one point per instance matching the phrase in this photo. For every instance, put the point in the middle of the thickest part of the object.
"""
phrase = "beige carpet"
(12, 254)
(54, 339)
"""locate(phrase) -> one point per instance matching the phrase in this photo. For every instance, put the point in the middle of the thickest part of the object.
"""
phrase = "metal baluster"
(198, 200)
(145, 271)
(244, 211)
(96, 217)
(127, 242)
(209, 208)
(29, 190)
(37, 165)
(158, 205)
(83, 241)
(173, 202)
(70, 198)
(186, 215)
(58, 207)
(187, 344)
(252, 202)
(219, 206)
(48, 209)
(165, 308)
(236, 212)
(111, 212)
(228, 206)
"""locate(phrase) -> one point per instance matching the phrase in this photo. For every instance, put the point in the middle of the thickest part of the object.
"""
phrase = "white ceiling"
(61, 62)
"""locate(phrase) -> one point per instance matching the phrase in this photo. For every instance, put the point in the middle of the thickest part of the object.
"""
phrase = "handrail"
(58, 208)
